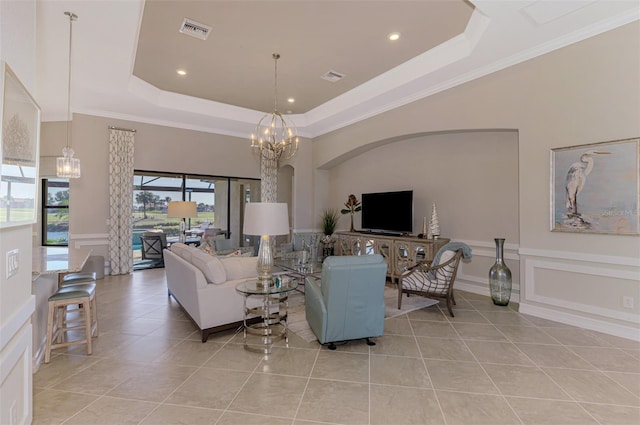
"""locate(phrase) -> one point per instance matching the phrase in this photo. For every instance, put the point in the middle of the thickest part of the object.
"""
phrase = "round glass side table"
(272, 310)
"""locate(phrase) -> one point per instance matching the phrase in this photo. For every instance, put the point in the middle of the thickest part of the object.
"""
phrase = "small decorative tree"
(434, 225)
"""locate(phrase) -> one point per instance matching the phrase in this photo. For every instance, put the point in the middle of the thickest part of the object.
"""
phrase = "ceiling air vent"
(195, 29)
(332, 76)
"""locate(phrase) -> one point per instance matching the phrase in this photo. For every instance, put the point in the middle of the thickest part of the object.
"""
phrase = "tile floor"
(488, 365)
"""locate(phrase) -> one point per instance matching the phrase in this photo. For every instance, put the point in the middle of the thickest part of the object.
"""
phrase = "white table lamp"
(182, 209)
(266, 219)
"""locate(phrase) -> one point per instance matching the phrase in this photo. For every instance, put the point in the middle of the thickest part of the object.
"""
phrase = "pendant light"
(67, 166)
(274, 138)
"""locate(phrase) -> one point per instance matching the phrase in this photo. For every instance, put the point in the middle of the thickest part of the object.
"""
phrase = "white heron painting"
(595, 188)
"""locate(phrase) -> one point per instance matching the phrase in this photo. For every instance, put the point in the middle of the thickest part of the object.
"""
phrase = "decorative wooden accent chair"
(435, 279)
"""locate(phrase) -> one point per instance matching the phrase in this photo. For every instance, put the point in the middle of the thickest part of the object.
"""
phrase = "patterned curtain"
(121, 200)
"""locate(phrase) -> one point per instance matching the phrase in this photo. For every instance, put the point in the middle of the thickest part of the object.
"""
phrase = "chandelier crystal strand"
(67, 166)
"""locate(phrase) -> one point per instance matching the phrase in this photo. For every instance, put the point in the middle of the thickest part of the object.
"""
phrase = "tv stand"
(400, 252)
(381, 233)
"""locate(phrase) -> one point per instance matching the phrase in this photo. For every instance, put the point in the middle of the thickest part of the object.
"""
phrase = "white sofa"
(205, 286)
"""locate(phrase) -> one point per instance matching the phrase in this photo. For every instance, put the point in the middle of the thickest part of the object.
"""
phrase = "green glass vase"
(500, 277)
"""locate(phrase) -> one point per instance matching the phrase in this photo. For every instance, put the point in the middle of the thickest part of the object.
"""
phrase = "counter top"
(50, 259)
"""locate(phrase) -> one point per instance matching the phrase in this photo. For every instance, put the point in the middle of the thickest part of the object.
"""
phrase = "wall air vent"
(332, 76)
(195, 29)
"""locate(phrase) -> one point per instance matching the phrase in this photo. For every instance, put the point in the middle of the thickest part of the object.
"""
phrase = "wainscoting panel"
(16, 380)
(583, 290)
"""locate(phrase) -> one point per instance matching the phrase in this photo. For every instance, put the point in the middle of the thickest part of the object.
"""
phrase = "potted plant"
(328, 222)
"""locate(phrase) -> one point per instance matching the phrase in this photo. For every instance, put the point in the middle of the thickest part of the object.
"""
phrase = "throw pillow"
(210, 266)
(238, 253)
(187, 253)
(178, 248)
(238, 267)
(207, 245)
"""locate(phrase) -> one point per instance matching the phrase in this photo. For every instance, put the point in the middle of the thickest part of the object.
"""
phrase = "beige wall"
(17, 49)
(472, 177)
(157, 148)
(571, 96)
(585, 93)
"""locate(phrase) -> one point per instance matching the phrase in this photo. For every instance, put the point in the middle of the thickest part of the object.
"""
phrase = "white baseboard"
(620, 330)
(480, 286)
(38, 356)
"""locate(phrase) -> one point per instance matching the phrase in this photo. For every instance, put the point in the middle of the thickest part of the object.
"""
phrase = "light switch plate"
(13, 262)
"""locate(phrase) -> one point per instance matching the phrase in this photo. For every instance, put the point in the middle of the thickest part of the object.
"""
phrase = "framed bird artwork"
(596, 188)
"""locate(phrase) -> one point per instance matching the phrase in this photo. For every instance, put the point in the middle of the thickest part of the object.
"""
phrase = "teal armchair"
(348, 301)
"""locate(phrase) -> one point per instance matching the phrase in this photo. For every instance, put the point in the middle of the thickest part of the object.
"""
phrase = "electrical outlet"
(627, 302)
(13, 262)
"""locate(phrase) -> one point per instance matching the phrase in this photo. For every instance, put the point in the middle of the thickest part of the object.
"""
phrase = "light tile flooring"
(488, 365)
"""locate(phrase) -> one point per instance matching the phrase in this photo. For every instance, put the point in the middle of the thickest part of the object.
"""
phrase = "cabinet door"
(419, 253)
(384, 248)
(369, 246)
(344, 245)
(402, 254)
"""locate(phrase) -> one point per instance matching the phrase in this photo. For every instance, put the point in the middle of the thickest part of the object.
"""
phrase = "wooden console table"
(400, 252)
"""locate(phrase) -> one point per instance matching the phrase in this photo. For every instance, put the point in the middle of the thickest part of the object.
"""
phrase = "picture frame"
(19, 142)
(595, 188)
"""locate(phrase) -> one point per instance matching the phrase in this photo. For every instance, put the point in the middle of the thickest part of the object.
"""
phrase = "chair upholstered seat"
(74, 291)
(348, 302)
(73, 278)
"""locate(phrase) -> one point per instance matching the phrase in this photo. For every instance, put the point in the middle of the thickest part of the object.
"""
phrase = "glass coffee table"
(272, 310)
(298, 271)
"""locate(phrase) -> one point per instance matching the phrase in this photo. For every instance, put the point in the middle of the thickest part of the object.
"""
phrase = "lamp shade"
(182, 209)
(266, 218)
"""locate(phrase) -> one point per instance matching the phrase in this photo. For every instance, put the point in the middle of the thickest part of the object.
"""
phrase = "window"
(55, 212)
(219, 202)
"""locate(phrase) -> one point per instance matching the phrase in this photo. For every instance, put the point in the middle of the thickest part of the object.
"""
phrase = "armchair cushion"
(348, 303)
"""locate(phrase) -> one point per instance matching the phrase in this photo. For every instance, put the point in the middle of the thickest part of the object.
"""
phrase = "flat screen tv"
(388, 212)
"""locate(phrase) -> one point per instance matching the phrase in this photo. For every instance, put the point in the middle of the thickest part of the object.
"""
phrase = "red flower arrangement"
(353, 206)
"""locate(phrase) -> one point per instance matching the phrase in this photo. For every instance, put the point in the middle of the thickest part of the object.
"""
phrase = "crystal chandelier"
(67, 166)
(274, 139)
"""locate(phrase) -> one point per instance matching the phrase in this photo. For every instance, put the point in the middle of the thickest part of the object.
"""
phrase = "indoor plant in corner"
(328, 222)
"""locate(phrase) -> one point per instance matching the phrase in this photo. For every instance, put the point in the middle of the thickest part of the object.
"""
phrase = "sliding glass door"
(220, 203)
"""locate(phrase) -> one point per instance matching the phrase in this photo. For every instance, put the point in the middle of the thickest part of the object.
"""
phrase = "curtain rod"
(121, 129)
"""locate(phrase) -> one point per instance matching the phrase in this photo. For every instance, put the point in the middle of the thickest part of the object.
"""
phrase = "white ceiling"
(125, 54)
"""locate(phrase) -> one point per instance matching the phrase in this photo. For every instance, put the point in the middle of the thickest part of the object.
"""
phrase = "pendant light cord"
(72, 16)
(276, 56)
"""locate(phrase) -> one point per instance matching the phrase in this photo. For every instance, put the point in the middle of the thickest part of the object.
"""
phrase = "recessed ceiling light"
(181, 72)
(291, 100)
(394, 36)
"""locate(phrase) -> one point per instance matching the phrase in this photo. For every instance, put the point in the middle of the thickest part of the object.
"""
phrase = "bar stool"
(58, 324)
(73, 278)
